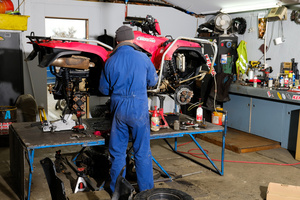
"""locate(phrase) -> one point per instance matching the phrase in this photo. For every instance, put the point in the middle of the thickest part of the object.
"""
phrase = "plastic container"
(155, 120)
(217, 117)
(281, 81)
(270, 83)
(13, 22)
(176, 125)
(286, 81)
(250, 74)
(199, 114)
(255, 81)
(9, 6)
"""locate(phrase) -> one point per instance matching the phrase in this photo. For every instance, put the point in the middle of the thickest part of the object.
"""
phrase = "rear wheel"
(183, 95)
(163, 193)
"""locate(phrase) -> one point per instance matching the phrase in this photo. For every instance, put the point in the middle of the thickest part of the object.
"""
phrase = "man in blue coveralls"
(125, 77)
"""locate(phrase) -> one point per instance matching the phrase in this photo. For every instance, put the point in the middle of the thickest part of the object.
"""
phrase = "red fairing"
(157, 56)
(157, 27)
(77, 46)
(148, 42)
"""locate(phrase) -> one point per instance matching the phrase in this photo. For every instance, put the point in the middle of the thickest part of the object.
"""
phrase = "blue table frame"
(24, 140)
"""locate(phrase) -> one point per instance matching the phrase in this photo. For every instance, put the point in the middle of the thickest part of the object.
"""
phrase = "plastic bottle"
(176, 125)
(293, 79)
(281, 81)
(199, 114)
(270, 83)
(255, 81)
(286, 81)
(155, 120)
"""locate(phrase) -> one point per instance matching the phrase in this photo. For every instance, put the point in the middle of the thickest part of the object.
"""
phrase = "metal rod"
(157, 163)
(82, 40)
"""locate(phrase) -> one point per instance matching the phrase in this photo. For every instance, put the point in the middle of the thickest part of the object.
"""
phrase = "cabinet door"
(267, 119)
(291, 120)
(238, 112)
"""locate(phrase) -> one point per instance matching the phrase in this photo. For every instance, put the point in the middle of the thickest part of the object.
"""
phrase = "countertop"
(275, 94)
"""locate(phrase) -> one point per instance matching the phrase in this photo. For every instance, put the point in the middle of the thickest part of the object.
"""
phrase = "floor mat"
(240, 142)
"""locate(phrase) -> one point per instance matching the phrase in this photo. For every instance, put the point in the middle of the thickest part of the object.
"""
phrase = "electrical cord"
(231, 161)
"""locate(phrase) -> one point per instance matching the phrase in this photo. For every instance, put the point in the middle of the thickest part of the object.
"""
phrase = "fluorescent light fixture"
(258, 6)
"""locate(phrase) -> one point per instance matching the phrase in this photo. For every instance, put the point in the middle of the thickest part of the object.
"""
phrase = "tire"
(162, 193)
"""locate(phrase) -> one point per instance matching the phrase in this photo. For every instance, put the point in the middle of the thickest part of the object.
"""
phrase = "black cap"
(124, 33)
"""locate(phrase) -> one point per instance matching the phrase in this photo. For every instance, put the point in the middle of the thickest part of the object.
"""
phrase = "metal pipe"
(82, 40)
(213, 44)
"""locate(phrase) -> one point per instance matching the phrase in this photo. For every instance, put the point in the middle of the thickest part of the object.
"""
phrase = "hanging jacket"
(241, 63)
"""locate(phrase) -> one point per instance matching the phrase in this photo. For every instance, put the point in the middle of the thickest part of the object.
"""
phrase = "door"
(267, 119)
(238, 112)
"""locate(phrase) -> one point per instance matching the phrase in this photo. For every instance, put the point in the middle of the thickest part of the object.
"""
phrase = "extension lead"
(232, 161)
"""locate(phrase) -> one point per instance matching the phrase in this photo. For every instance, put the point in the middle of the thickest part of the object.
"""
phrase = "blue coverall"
(125, 77)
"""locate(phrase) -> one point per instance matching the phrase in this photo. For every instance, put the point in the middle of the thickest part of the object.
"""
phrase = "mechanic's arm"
(104, 83)
(152, 77)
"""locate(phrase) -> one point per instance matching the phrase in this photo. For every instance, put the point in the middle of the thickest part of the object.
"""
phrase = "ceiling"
(205, 7)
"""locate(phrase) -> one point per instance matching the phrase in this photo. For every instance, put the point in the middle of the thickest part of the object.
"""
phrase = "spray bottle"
(199, 114)
(155, 120)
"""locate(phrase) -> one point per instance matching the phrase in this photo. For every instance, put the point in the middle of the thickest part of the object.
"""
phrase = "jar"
(270, 83)
(176, 125)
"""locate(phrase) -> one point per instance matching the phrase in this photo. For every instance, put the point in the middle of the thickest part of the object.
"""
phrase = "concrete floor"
(241, 181)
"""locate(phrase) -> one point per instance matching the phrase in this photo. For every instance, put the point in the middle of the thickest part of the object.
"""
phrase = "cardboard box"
(277, 191)
(286, 67)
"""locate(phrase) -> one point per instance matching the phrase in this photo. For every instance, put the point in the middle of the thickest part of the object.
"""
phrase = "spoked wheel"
(183, 95)
(163, 193)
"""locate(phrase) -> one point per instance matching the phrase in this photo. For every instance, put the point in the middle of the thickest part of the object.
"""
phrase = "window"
(66, 27)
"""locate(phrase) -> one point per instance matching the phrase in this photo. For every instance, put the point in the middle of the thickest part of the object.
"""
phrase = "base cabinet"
(266, 118)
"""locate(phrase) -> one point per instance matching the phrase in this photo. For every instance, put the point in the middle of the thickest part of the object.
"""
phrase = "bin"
(13, 22)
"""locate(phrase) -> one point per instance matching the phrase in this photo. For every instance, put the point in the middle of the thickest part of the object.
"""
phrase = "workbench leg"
(31, 159)
(223, 153)
(203, 151)
(79, 153)
(157, 163)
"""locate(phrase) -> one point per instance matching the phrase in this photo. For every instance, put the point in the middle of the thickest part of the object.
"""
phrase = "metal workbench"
(25, 139)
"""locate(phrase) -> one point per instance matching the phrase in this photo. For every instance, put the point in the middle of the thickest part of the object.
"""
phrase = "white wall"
(278, 53)
(101, 16)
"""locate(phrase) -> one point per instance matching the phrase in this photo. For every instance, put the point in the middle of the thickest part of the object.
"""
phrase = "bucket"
(8, 115)
(216, 117)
